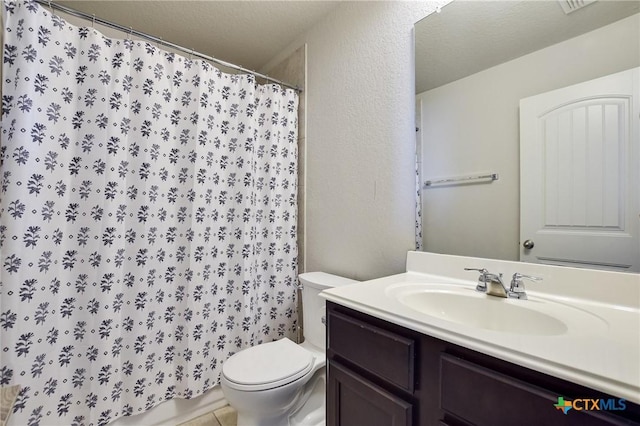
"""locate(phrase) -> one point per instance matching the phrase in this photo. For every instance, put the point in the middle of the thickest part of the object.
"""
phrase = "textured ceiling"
(247, 33)
(466, 37)
(470, 36)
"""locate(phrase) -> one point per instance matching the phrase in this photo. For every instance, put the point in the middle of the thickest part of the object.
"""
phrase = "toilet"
(282, 383)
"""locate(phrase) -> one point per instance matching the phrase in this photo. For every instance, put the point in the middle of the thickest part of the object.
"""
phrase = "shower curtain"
(147, 220)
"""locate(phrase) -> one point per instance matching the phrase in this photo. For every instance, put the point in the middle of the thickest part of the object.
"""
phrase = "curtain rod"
(160, 41)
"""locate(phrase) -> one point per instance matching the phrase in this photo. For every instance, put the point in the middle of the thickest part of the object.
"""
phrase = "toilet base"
(315, 420)
(245, 420)
(313, 412)
(308, 410)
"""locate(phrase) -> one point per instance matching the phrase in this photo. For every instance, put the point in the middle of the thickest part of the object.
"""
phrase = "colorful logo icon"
(563, 405)
(591, 404)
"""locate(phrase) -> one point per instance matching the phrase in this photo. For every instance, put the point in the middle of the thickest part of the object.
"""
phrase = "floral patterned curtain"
(147, 218)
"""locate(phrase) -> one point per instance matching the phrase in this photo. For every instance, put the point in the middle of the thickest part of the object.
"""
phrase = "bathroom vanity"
(395, 357)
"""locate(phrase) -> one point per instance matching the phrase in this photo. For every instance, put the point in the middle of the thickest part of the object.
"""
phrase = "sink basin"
(463, 305)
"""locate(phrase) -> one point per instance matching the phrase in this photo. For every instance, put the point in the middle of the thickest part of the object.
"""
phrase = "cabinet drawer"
(482, 396)
(384, 354)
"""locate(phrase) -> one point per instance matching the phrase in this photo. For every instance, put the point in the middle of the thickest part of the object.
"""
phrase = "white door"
(579, 175)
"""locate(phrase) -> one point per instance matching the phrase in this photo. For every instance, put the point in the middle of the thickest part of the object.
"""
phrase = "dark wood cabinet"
(386, 355)
(383, 374)
(356, 401)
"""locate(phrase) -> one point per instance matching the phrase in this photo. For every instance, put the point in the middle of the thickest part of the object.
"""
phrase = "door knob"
(528, 244)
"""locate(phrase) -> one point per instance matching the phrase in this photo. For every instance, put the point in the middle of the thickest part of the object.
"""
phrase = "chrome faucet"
(516, 290)
(492, 284)
(489, 283)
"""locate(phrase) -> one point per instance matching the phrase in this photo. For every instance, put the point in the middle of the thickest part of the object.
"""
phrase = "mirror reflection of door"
(579, 163)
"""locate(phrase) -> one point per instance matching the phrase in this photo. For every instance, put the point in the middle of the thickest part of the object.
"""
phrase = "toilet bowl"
(282, 383)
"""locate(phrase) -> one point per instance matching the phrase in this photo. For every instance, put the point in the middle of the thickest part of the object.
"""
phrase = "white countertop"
(605, 357)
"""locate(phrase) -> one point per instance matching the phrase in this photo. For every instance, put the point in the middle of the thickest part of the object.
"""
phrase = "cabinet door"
(353, 401)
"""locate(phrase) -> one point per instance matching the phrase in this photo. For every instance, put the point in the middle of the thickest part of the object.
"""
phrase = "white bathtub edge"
(176, 411)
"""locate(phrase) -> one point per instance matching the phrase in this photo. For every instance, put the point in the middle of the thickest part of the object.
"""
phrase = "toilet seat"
(267, 366)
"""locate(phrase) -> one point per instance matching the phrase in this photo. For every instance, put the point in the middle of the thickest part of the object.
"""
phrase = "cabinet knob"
(528, 244)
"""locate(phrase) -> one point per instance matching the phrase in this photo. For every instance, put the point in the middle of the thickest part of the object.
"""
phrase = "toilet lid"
(275, 363)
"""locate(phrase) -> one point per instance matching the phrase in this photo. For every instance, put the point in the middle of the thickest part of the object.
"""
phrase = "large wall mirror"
(549, 102)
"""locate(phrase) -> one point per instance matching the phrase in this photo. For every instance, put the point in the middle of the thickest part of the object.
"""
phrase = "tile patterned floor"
(225, 416)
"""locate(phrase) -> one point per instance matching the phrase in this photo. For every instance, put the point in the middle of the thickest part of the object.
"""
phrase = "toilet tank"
(313, 306)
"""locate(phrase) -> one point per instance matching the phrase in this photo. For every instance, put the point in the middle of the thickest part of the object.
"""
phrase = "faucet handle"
(516, 289)
(482, 270)
(482, 279)
(518, 277)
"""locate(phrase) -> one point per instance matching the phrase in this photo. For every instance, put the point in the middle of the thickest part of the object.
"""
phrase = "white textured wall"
(361, 138)
(472, 125)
